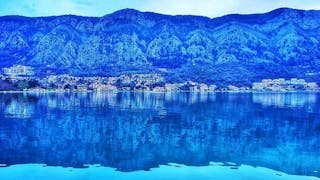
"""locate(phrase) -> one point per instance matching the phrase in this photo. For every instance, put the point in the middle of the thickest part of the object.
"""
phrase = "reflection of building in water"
(124, 100)
(17, 109)
(189, 98)
(284, 99)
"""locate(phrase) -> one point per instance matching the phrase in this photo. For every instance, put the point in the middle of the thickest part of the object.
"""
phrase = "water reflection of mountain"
(132, 131)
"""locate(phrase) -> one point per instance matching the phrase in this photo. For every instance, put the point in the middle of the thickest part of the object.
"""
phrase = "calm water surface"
(139, 131)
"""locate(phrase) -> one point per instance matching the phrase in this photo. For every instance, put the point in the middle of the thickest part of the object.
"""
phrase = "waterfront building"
(18, 70)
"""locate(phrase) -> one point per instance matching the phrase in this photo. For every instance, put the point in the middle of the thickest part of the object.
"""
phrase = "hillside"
(233, 49)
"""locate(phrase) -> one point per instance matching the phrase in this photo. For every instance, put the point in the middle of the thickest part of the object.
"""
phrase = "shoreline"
(168, 171)
(122, 91)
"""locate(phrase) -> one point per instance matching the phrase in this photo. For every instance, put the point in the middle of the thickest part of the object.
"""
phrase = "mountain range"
(233, 49)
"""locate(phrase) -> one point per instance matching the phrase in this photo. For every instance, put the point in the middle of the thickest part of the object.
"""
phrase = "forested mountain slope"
(233, 49)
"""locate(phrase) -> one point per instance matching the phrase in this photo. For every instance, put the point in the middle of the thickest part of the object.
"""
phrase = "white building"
(18, 70)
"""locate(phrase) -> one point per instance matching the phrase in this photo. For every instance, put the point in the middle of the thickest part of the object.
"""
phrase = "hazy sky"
(211, 8)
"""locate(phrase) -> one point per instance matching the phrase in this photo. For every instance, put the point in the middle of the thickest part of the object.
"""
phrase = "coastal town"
(22, 78)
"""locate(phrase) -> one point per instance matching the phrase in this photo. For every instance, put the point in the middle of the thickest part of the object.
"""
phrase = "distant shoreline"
(121, 91)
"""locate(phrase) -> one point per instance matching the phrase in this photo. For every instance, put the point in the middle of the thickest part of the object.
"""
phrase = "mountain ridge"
(125, 10)
(232, 49)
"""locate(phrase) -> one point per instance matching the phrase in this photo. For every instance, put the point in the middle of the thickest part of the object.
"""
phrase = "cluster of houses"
(140, 82)
(133, 82)
(123, 82)
(282, 84)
